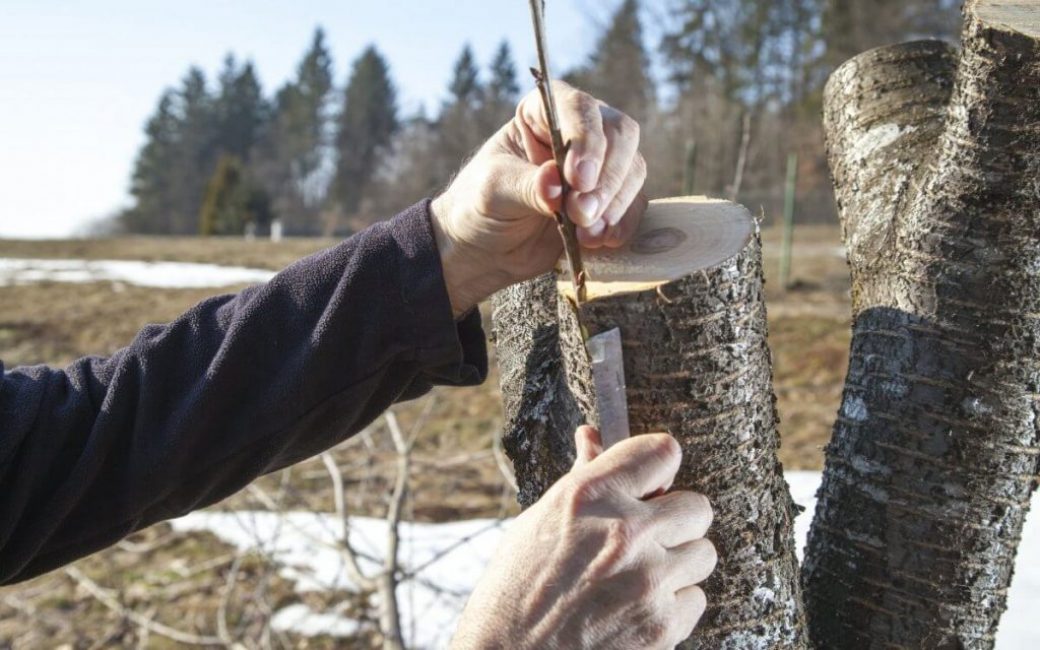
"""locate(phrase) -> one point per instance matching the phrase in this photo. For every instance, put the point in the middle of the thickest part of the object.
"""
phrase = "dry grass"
(230, 251)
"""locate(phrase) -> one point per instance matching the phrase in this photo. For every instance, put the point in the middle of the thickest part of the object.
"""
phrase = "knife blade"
(608, 377)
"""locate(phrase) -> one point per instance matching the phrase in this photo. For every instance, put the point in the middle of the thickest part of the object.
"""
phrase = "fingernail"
(596, 229)
(588, 205)
(588, 174)
(554, 191)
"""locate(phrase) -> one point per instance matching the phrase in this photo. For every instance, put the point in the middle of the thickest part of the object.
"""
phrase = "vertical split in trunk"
(936, 448)
(687, 296)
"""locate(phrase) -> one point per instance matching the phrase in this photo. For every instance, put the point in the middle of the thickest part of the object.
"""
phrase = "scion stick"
(559, 149)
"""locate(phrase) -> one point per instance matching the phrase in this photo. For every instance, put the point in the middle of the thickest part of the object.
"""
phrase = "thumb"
(640, 466)
(587, 445)
(528, 189)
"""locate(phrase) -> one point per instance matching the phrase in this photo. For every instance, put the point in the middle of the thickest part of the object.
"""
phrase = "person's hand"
(598, 562)
(494, 223)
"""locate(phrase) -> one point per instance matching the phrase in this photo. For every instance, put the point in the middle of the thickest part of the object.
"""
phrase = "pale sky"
(78, 78)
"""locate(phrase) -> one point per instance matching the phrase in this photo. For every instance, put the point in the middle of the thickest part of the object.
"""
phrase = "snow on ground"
(166, 275)
(445, 561)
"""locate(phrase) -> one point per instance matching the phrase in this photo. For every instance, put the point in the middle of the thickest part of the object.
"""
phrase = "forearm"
(240, 385)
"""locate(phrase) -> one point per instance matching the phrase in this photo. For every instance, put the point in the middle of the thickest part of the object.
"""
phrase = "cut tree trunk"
(686, 294)
(936, 449)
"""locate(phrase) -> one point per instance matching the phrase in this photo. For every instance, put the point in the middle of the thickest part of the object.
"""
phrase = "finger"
(627, 192)
(587, 445)
(639, 465)
(680, 517)
(689, 605)
(689, 564)
(608, 229)
(581, 124)
(618, 235)
(593, 236)
(620, 163)
(584, 209)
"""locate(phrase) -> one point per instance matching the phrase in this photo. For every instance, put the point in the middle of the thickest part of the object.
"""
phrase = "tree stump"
(686, 294)
(936, 449)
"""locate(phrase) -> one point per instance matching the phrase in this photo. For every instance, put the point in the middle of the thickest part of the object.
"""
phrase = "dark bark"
(697, 366)
(936, 448)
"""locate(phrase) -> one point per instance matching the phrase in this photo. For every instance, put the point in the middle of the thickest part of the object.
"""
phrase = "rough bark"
(697, 366)
(936, 448)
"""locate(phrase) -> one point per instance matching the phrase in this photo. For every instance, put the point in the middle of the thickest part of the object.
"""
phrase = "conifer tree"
(151, 183)
(240, 109)
(459, 130)
(501, 92)
(296, 146)
(618, 71)
(365, 130)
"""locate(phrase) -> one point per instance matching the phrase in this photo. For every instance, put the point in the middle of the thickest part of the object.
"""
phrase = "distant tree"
(413, 168)
(232, 200)
(618, 70)
(465, 86)
(365, 129)
(196, 151)
(853, 26)
(151, 183)
(460, 129)
(296, 147)
(173, 167)
(240, 110)
(502, 90)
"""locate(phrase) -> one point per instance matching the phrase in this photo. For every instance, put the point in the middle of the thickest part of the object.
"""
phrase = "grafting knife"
(608, 376)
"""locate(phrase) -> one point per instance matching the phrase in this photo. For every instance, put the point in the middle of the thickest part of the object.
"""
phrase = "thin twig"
(391, 618)
(559, 149)
(225, 600)
(154, 627)
(349, 554)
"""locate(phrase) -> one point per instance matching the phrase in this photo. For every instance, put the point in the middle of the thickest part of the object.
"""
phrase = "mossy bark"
(697, 366)
(936, 448)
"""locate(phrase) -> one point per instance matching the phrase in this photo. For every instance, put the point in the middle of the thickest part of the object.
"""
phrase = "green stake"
(789, 194)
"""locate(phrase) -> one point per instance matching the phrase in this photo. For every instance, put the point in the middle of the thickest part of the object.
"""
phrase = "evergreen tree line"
(741, 85)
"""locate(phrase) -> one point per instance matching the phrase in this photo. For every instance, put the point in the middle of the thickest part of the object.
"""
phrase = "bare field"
(229, 251)
(182, 579)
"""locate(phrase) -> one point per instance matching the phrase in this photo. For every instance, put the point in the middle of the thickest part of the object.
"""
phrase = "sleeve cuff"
(451, 352)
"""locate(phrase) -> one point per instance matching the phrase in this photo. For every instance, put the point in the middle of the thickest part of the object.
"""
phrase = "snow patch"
(164, 275)
(302, 620)
(446, 559)
(304, 544)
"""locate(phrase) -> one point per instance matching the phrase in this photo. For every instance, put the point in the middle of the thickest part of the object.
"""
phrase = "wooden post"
(936, 450)
(686, 293)
(789, 198)
(690, 167)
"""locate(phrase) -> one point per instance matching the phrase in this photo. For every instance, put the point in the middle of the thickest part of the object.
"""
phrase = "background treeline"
(725, 92)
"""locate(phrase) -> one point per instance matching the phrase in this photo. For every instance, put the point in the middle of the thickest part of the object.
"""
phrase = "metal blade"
(608, 375)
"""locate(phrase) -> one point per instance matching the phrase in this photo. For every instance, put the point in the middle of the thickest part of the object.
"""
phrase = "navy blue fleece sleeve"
(238, 386)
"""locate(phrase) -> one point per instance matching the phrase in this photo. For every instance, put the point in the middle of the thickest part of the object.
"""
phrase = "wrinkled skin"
(599, 561)
(495, 224)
